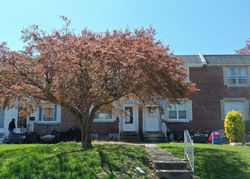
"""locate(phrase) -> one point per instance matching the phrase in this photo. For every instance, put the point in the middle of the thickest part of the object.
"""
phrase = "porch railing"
(189, 149)
(164, 129)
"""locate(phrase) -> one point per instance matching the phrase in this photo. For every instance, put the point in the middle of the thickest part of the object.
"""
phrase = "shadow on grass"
(220, 164)
(105, 163)
(213, 163)
(68, 160)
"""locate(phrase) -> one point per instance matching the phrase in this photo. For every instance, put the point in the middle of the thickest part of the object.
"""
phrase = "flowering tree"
(245, 50)
(84, 72)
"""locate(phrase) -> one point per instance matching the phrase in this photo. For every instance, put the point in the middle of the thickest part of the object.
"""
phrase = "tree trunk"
(86, 133)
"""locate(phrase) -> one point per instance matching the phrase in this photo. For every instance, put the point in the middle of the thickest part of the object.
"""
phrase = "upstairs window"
(237, 75)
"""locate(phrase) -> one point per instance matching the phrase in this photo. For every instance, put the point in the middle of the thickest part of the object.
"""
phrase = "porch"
(142, 124)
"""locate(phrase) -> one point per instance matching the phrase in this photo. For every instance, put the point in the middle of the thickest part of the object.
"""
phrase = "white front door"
(151, 119)
(130, 119)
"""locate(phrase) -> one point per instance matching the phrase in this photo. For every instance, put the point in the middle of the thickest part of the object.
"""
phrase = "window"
(178, 111)
(238, 105)
(129, 115)
(161, 110)
(104, 114)
(48, 113)
(236, 75)
(152, 111)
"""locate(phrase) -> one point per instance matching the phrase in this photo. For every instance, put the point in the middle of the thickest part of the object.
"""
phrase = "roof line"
(204, 61)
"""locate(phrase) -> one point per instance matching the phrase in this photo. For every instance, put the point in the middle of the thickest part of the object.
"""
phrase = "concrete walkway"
(167, 165)
(158, 154)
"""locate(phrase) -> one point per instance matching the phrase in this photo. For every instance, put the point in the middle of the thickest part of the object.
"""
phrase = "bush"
(234, 126)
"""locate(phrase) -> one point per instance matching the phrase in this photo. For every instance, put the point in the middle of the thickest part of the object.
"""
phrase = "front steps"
(173, 174)
(130, 137)
(170, 165)
(145, 137)
(154, 137)
(167, 165)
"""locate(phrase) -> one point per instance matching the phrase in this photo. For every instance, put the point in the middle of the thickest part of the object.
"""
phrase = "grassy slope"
(217, 161)
(68, 160)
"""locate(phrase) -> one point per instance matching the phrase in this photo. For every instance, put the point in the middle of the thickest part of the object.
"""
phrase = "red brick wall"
(206, 104)
(68, 121)
(106, 128)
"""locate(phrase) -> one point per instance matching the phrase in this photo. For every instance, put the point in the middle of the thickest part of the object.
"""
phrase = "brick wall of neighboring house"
(68, 121)
(206, 103)
(105, 128)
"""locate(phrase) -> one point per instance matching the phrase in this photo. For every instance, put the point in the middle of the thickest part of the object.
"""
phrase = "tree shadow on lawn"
(56, 161)
(110, 167)
(220, 164)
(213, 163)
(123, 164)
(47, 162)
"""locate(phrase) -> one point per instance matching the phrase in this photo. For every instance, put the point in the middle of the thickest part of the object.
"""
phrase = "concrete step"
(128, 133)
(170, 165)
(155, 139)
(130, 137)
(153, 134)
(173, 174)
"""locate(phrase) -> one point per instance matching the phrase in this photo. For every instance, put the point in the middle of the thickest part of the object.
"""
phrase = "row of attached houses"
(224, 83)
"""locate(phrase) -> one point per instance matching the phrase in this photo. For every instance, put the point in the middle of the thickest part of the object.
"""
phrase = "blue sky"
(188, 26)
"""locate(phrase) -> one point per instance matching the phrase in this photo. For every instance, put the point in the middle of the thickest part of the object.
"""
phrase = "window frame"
(56, 115)
(104, 119)
(237, 78)
(246, 107)
(177, 106)
(131, 115)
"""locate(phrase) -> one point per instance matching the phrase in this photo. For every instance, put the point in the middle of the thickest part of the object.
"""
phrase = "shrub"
(234, 126)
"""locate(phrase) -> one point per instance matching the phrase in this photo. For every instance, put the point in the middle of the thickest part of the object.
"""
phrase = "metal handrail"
(189, 149)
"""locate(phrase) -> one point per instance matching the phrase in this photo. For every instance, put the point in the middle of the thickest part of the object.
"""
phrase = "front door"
(151, 118)
(129, 119)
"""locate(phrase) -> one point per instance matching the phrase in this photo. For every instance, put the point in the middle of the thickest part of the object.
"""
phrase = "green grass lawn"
(216, 161)
(68, 160)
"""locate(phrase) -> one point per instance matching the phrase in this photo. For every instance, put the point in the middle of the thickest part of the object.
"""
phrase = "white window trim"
(107, 120)
(177, 110)
(188, 76)
(223, 115)
(58, 117)
(237, 80)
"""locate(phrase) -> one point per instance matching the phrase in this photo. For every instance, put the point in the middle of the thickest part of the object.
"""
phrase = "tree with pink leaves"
(86, 71)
